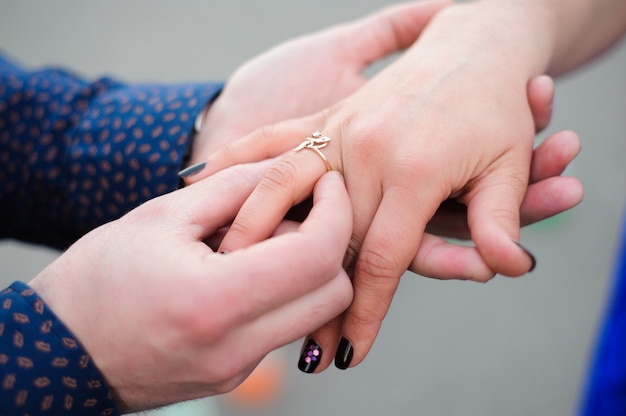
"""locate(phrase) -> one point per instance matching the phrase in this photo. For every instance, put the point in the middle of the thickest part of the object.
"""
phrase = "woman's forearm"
(527, 37)
(581, 29)
(586, 28)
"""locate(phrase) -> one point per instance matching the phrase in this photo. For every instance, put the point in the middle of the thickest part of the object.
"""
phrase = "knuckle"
(280, 176)
(327, 267)
(351, 254)
(265, 134)
(328, 262)
(231, 383)
(331, 262)
(329, 113)
(225, 376)
(367, 139)
(388, 32)
(214, 331)
(228, 154)
(150, 210)
(482, 278)
(266, 131)
(198, 327)
(507, 215)
(374, 265)
(366, 323)
(345, 292)
(243, 226)
(409, 167)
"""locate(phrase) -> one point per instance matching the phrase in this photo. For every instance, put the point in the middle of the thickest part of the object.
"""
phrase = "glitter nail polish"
(310, 357)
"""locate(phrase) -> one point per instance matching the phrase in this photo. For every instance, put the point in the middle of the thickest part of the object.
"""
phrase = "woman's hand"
(548, 193)
(166, 319)
(445, 121)
(307, 74)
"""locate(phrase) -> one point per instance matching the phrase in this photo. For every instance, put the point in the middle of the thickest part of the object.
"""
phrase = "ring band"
(315, 143)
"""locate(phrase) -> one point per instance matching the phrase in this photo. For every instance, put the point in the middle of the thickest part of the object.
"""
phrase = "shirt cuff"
(131, 144)
(43, 367)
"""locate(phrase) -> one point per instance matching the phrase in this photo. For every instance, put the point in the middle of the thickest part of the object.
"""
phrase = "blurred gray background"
(510, 347)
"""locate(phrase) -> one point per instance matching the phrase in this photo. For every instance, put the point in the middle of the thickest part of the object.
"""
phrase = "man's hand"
(166, 319)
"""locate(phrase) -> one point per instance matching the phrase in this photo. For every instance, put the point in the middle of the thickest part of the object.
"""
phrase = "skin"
(176, 317)
(197, 321)
(245, 95)
(416, 136)
(298, 79)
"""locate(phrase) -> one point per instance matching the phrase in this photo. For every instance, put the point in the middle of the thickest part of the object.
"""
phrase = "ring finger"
(288, 182)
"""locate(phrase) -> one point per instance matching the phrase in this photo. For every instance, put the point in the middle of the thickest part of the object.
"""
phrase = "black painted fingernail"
(192, 170)
(310, 357)
(532, 258)
(344, 354)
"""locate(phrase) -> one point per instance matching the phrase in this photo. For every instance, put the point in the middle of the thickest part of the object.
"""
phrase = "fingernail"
(310, 357)
(192, 170)
(224, 251)
(344, 354)
(532, 258)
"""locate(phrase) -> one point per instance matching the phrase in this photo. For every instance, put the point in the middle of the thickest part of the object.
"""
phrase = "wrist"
(518, 36)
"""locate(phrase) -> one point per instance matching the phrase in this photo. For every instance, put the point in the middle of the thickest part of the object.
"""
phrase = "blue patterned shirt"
(75, 154)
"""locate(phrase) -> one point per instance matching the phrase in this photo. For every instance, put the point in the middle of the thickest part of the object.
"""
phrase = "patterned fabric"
(74, 155)
(43, 369)
(606, 390)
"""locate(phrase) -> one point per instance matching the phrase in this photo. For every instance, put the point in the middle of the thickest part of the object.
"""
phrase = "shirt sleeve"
(75, 154)
(44, 370)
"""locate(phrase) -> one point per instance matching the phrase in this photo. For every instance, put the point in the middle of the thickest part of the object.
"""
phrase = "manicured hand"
(415, 136)
(548, 194)
(386, 213)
